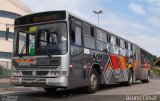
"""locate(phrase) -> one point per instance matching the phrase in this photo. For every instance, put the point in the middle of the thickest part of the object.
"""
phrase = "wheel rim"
(148, 78)
(131, 79)
(93, 80)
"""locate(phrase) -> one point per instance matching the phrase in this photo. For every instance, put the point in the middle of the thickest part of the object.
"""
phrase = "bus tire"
(94, 82)
(50, 90)
(130, 78)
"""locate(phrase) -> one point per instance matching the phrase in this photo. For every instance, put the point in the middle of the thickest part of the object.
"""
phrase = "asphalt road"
(137, 92)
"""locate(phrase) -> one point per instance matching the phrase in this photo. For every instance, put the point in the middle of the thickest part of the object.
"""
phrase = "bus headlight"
(16, 73)
(54, 73)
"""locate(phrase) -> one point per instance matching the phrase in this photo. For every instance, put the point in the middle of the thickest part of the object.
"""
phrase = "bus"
(56, 49)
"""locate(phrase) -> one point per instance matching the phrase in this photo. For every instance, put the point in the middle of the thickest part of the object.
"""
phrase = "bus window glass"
(129, 46)
(104, 37)
(126, 44)
(89, 42)
(113, 40)
(101, 36)
(48, 39)
(31, 43)
(108, 38)
(53, 38)
(92, 31)
(43, 38)
(78, 36)
(86, 29)
(101, 46)
(22, 43)
(122, 43)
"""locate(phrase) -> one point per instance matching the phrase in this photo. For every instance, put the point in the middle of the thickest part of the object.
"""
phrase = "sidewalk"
(4, 80)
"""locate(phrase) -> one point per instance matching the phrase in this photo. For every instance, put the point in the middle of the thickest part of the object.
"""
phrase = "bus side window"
(76, 36)
(126, 44)
(108, 38)
(92, 31)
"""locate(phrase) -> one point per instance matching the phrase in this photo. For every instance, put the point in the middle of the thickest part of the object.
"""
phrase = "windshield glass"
(46, 39)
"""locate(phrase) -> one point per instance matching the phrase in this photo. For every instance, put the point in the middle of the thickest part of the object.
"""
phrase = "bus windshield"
(46, 39)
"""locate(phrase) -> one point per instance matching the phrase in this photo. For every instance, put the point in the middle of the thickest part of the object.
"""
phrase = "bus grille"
(42, 72)
(37, 73)
(33, 81)
(27, 72)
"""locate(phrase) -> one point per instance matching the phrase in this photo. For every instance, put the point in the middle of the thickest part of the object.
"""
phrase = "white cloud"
(155, 21)
(137, 8)
(154, 6)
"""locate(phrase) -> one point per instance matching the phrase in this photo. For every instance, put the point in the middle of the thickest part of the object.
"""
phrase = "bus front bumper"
(40, 82)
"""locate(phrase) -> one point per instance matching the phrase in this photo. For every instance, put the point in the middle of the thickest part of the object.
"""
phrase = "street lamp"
(98, 12)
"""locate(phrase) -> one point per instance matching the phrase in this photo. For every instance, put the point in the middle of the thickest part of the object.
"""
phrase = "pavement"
(6, 87)
(4, 80)
(115, 92)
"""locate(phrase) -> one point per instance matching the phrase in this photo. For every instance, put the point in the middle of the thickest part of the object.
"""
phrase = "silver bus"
(56, 49)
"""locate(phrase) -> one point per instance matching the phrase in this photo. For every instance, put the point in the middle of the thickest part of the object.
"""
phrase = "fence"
(5, 69)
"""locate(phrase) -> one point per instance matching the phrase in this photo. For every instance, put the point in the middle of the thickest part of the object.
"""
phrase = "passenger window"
(108, 38)
(89, 42)
(122, 43)
(126, 45)
(76, 36)
(86, 29)
(92, 31)
(129, 46)
(113, 40)
(101, 36)
(101, 46)
(117, 42)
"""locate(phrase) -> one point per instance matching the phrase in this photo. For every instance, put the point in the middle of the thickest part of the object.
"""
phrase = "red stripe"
(115, 61)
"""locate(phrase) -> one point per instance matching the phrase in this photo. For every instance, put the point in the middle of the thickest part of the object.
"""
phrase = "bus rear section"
(40, 55)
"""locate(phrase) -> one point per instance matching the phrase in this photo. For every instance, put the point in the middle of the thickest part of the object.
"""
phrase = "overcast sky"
(134, 20)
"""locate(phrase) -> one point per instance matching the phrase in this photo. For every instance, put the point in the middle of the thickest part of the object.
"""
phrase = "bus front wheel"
(93, 82)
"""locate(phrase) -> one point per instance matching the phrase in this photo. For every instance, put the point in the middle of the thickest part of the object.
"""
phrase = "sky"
(135, 20)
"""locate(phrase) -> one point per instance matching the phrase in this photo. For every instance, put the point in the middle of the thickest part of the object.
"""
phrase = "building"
(156, 64)
(9, 10)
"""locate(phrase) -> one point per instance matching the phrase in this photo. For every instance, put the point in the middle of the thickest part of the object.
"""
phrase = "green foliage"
(4, 72)
(156, 72)
(155, 58)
